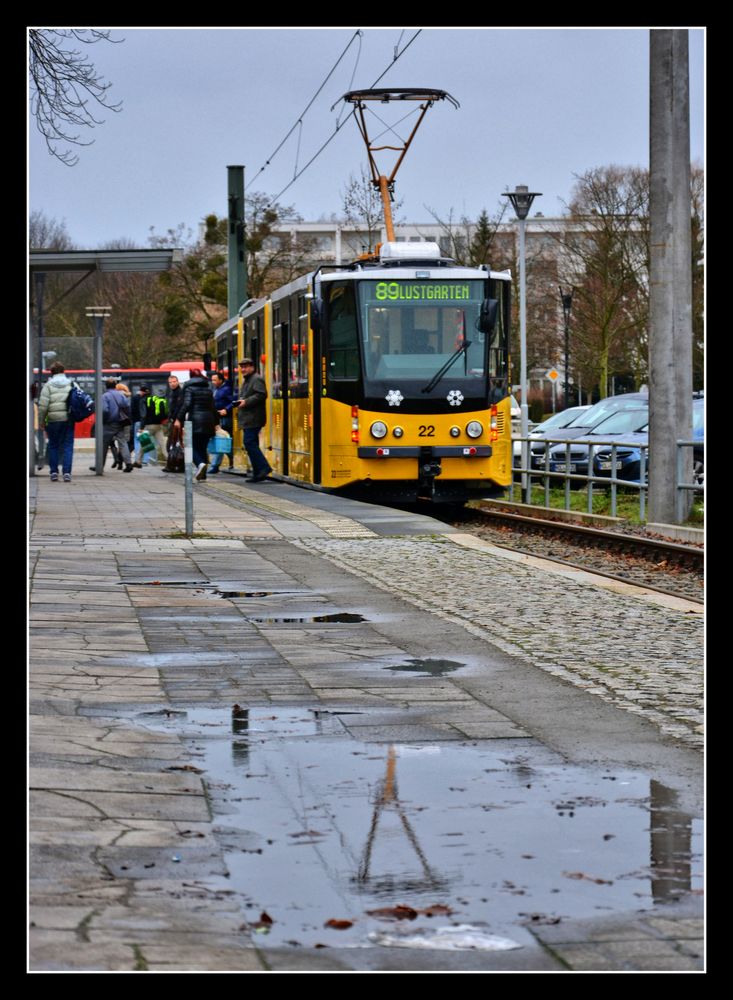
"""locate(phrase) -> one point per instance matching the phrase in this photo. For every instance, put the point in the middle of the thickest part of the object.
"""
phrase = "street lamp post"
(98, 314)
(567, 303)
(521, 200)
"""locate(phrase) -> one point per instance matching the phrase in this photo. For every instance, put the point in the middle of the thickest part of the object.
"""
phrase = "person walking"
(115, 425)
(197, 405)
(223, 401)
(253, 417)
(53, 414)
(137, 411)
(153, 418)
(126, 425)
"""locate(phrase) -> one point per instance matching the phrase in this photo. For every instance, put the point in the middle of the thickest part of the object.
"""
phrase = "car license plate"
(605, 465)
(562, 467)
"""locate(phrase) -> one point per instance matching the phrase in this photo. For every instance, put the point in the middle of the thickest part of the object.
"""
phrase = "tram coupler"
(428, 468)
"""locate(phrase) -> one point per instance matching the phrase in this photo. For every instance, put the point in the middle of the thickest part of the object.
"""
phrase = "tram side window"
(343, 341)
(299, 350)
(277, 354)
(252, 347)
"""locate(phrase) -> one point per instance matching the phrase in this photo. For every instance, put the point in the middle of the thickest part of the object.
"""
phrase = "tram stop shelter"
(84, 263)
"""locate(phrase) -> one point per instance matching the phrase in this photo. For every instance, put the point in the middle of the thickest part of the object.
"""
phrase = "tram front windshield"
(410, 330)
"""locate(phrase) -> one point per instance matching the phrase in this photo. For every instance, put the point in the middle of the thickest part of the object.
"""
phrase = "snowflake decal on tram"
(394, 397)
(455, 397)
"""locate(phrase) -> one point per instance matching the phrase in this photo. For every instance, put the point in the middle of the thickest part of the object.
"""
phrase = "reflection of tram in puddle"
(387, 801)
(494, 834)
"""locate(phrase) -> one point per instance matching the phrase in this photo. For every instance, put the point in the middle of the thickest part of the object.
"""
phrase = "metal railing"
(682, 487)
(529, 473)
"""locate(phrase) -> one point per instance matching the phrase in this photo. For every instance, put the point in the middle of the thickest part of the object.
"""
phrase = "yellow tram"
(386, 378)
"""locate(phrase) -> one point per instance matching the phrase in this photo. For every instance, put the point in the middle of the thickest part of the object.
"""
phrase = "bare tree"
(455, 235)
(45, 233)
(63, 83)
(195, 288)
(605, 257)
(362, 206)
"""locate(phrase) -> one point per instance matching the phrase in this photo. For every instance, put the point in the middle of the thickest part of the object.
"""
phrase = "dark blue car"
(586, 422)
(627, 434)
(619, 438)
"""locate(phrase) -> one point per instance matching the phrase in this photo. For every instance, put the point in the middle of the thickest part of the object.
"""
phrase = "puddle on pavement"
(217, 588)
(432, 667)
(229, 594)
(316, 827)
(340, 618)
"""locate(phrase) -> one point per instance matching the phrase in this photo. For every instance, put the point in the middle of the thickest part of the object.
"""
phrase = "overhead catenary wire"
(397, 55)
(353, 74)
(339, 125)
(299, 120)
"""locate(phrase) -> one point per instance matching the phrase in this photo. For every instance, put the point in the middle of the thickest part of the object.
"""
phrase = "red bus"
(156, 378)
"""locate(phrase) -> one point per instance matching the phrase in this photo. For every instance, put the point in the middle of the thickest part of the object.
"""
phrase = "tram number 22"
(426, 431)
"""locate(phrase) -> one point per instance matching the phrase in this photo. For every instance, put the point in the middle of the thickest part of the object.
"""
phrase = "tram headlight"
(474, 429)
(455, 432)
(398, 432)
(378, 429)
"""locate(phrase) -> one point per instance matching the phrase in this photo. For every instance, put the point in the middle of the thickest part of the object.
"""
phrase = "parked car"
(698, 434)
(627, 431)
(586, 421)
(630, 442)
(556, 422)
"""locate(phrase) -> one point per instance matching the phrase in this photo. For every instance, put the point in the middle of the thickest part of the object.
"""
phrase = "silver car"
(556, 422)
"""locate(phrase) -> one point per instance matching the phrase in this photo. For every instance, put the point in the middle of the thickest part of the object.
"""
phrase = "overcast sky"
(536, 107)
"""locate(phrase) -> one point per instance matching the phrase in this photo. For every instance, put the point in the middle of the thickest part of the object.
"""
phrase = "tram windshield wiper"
(463, 349)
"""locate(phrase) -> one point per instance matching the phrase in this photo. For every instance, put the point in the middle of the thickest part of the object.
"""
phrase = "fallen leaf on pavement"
(588, 878)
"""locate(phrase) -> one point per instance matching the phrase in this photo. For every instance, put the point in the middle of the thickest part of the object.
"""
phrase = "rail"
(549, 472)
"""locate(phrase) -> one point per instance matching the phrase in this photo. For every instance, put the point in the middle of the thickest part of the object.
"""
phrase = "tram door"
(290, 425)
(299, 404)
(278, 436)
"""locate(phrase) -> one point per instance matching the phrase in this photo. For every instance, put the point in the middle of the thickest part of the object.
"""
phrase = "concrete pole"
(670, 291)
(188, 475)
(39, 283)
(237, 272)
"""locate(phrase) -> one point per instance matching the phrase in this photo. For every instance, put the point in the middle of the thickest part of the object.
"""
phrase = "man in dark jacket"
(173, 397)
(197, 405)
(252, 417)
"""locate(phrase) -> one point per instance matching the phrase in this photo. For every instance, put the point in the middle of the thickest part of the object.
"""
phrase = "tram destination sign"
(406, 291)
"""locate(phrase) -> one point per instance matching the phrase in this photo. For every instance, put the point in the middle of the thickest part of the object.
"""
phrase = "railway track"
(658, 564)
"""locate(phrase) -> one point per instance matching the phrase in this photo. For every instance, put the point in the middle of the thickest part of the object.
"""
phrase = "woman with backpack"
(53, 414)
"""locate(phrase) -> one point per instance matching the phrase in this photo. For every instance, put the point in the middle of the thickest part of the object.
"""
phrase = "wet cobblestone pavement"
(644, 658)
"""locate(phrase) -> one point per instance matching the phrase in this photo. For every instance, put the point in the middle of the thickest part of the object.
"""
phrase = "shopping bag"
(146, 442)
(219, 445)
